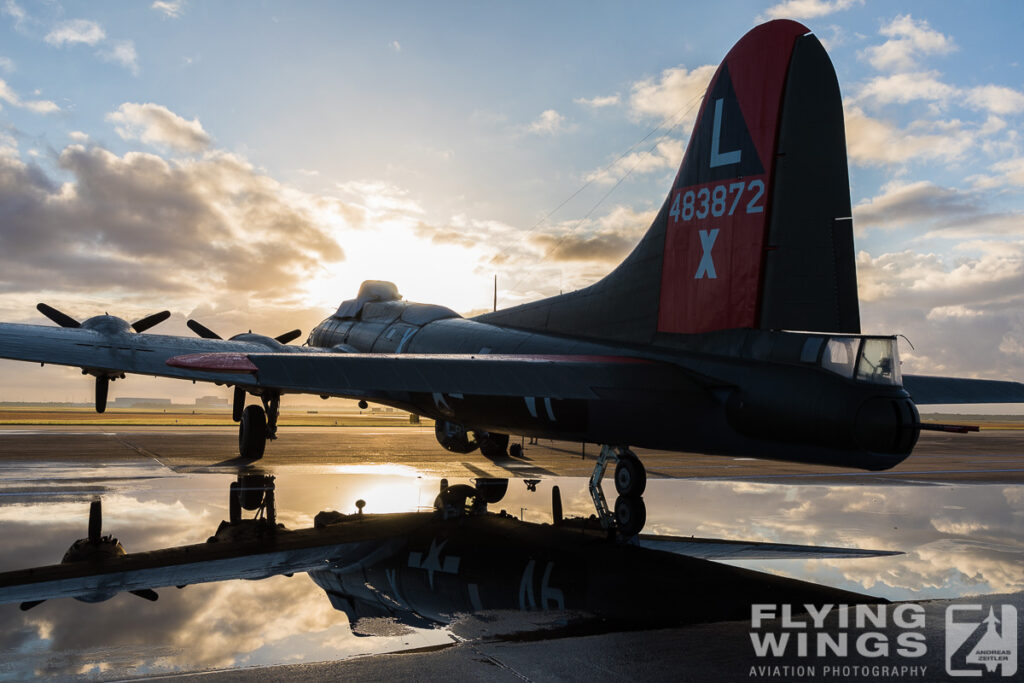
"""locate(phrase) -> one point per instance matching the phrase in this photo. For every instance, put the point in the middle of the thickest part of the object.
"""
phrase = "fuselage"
(807, 397)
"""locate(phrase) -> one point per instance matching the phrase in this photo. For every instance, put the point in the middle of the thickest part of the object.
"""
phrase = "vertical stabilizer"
(756, 230)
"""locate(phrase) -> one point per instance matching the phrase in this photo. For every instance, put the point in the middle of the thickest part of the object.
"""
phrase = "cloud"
(1007, 172)
(395, 45)
(76, 31)
(909, 40)
(598, 102)
(963, 313)
(806, 9)
(171, 9)
(37, 106)
(605, 240)
(906, 87)
(996, 99)
(138, 223)
(676, 92)
(6, 64)
(902, 204)
(157, 125)
(548, 123)
(666, 154)
(122, 52)
(16, 12)
(873, 141)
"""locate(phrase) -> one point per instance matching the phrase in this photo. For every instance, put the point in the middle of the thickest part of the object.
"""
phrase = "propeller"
(104, 324)
(65, 320)
(206, 333)
(94, 548)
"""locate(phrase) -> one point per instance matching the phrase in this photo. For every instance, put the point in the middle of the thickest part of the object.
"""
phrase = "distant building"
(140, 402)
(211, 402)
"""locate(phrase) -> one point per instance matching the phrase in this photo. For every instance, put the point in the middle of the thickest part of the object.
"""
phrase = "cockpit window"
(879, 362)
(840, 355)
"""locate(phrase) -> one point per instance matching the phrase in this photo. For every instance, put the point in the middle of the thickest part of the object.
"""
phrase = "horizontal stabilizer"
(926, 390)
(718, 549)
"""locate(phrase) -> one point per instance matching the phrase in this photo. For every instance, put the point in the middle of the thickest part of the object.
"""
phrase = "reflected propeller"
(95, 548)
(206, 333)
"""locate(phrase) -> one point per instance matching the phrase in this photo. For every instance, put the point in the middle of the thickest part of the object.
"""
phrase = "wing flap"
(926, 389)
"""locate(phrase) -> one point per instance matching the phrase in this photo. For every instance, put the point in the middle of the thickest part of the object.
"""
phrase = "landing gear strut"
(630, 481)
(257, 424)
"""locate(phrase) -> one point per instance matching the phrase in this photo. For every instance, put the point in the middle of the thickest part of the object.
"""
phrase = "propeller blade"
(288, 336)
(62, 319)
(102, 389)
(95, 521)
(202, 330)
(556, 506)
(150, 320)
(26, 606)
(146, 594)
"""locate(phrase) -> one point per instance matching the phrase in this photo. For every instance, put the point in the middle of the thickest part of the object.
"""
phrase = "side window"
(840, 355)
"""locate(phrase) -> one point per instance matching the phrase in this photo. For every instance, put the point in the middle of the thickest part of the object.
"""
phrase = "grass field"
(179, 416)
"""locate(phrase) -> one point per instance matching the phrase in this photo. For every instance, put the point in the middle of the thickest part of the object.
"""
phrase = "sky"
(248, 164)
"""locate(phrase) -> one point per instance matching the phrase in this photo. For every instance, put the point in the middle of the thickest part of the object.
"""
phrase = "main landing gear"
(630, 513)
(256, 424)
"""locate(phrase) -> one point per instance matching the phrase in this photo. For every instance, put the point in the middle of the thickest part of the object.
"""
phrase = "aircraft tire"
(492, 445)
(515, 450)
(252, 433)
(630, 515)
(630, 475)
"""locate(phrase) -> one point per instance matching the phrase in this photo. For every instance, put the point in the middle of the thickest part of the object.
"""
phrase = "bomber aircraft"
(733, 327)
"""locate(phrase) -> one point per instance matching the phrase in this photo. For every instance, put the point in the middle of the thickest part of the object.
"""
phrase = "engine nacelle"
(454, 437)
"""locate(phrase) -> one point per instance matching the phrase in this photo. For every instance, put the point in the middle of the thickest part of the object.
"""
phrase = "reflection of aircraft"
(425, 568)
(682, 347)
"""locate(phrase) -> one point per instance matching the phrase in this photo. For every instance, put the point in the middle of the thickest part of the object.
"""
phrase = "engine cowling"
(454, 437)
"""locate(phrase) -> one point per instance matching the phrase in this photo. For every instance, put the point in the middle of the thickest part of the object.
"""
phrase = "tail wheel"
(630, 475)
(252, 433)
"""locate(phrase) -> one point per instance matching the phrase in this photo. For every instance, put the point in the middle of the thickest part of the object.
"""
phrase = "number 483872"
(720, 200)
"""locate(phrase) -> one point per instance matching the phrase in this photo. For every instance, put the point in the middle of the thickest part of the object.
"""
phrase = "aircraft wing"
(558, 377)
(118, 351)
(286, 552)
(926, 389)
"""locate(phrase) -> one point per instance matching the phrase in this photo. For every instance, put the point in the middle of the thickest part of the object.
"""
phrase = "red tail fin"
(718, 216)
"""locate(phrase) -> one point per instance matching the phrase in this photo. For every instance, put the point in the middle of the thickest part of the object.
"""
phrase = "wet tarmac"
(955, 510)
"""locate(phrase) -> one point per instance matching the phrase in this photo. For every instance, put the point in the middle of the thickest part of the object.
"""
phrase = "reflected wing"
(285, 552)
(925, 389)
(116, 352)
(561, 377)
(718, 549)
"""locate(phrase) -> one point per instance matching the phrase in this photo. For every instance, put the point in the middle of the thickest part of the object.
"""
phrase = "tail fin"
(756, 231)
